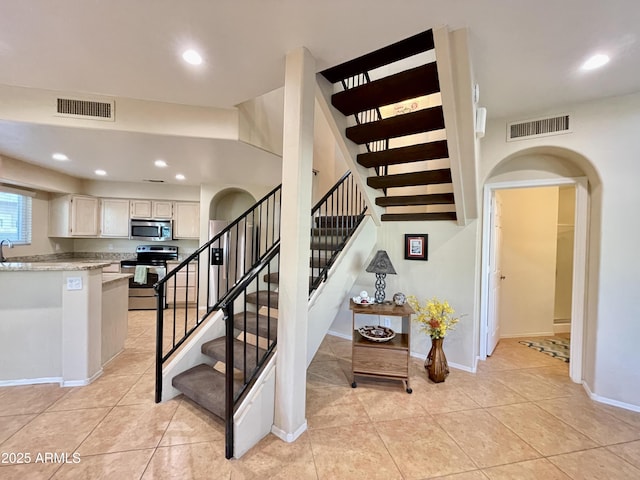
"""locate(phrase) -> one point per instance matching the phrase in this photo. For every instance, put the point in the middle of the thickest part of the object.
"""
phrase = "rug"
(555, 347)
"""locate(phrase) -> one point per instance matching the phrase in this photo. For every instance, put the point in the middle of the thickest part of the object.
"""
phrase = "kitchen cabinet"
(181, 288)
(114, 218)
(388, 359)
(156, 209)
(73, 216)
(186, 218)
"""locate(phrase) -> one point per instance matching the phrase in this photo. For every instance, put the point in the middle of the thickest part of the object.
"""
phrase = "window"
(15, 218)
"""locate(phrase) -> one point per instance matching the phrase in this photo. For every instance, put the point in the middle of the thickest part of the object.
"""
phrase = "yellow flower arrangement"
(436, 317)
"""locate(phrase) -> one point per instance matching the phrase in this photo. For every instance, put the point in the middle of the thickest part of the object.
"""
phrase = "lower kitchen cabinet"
(182, 287)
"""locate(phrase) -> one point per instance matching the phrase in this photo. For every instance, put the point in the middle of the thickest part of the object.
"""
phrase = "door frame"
(580, 257)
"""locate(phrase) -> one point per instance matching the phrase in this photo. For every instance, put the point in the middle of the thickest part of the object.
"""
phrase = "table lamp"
(381, 266)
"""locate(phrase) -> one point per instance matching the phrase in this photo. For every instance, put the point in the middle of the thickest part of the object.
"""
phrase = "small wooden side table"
(388, 359)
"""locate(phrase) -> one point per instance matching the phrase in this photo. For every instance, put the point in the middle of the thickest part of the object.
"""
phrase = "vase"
(436, 362)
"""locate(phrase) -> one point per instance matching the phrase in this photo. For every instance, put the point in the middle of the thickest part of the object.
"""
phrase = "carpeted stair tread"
(256, 324)
(408, 47)
(412, 153)
(402, 200)
(408, 84)
(427, 177)
(417, 217)
(205, 386)
(326, 244)
(339, 232)
(263, 298)
(216, 349)
(419, 121)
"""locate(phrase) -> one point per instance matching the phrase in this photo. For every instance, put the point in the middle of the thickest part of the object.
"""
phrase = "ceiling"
(526, 57)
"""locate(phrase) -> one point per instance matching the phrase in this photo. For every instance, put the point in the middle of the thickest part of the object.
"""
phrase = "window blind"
(15, 218)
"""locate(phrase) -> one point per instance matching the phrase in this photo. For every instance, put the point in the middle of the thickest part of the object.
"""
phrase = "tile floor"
(519, 417)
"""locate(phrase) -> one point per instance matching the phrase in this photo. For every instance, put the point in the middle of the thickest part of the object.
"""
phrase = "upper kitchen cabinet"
(186, 220)
(156, 209)
(73, 216)
(114, 218)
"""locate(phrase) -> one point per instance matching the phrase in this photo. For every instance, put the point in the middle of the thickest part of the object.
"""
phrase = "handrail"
(178, 292)
(234, 388)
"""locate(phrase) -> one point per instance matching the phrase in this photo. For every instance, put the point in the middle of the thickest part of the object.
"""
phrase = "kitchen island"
(53, 323)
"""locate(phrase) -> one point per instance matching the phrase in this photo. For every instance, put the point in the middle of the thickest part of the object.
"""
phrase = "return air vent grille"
(87, 109)
(541, 127)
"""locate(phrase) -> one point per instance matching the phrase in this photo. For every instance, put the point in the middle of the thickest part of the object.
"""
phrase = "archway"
(536, 167)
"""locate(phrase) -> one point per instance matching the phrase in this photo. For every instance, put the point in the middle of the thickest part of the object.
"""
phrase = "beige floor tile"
(31, 471)
(55, 431)
(529, 470)
(390, 405)
(274, 459)
(487, 441)
(591, 419)
(29, 398)
(629, 451)
(489, 392)
(130, 427)
(531, 386)
(192, 424)
(596, 464)
(473, 475)
(442, 399)
(141, 343)
(341, 348)
(104, 392)
(540, 429)
(198, 461)
(334, 407)
(627, 416)
(10, 425)
(421, 449)
(326, 374)
(121, 466)
(130, 362)
(142, 392)
(350, 453)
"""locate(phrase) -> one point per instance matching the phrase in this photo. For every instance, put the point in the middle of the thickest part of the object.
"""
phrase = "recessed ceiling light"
(160, 163)
(192, 57)
(596, 61)
(100, 172)
(180, 176)
(61, 157)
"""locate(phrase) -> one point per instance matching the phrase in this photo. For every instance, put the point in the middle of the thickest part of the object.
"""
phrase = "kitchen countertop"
(108, 278)
(52, 266)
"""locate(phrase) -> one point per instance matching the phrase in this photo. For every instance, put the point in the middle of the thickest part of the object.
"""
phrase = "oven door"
(142, 295)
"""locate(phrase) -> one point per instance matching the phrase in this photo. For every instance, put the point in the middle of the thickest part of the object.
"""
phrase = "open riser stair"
(394, 97)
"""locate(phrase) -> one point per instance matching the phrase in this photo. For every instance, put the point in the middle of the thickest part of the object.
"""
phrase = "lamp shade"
(381, 264)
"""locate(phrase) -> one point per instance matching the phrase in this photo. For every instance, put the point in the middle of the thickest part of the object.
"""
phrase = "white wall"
(450, 273)
(605, 146)
(528, 260)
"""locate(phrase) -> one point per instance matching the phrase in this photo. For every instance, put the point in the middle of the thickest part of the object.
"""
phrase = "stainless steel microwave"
(157, 230)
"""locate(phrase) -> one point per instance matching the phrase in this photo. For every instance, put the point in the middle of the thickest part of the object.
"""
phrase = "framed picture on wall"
(415, 246)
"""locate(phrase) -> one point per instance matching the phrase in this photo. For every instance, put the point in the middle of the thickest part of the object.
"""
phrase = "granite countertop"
(108, 278)
(52, 266)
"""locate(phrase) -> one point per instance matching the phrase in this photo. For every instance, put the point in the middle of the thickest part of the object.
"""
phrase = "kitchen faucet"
(9, 244)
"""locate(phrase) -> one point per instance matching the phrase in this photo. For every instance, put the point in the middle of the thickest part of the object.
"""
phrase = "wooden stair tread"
(405, 85)
(408, 47)
(336, 221)
(216, 349)
(263, 298)
(340, 232)
(407, 200)
(328, 245)
(411, 153)
(427, 177)
(420, 121)
(205, 386)
(417, 217)
(256, 324)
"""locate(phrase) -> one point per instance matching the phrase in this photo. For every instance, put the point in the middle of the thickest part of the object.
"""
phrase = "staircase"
(394, 95)
(250, 339)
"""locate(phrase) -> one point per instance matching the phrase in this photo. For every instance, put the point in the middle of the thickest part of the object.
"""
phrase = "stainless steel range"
(148, 268)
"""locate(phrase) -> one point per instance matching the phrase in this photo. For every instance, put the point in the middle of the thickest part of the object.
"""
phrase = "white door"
(495, 275)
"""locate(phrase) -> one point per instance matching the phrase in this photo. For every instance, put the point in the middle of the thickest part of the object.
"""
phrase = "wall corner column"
(297, 173)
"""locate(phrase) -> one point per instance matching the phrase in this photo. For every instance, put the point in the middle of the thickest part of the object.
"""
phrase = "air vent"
(540, 127)
(87, 109)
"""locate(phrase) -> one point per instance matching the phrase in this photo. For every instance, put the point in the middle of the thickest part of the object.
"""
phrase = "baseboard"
(527, 335)
(457, 366)
(608, 401)
(289, 437)
(30, 381)
(81, 383)
(339, 335)
(562, 328)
